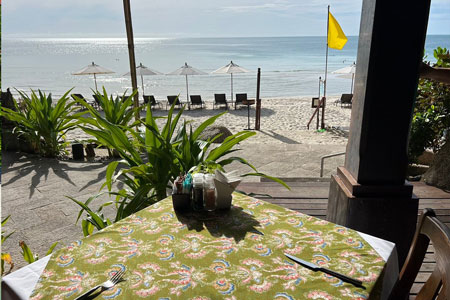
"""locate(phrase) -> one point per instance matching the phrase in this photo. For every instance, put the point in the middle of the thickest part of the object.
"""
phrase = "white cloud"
(190, 17)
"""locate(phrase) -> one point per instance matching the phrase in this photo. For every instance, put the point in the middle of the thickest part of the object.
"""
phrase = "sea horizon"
(290, 65)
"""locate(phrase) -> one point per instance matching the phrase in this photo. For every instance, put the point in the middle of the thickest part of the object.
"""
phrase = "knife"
(315, 268)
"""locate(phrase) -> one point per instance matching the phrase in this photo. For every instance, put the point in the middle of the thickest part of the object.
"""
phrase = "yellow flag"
(336, 37)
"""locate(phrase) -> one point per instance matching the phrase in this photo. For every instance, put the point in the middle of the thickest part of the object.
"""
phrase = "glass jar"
(209, 192)
(197, 191)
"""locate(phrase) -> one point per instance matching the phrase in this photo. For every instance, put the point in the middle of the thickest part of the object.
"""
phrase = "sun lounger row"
(195, 100)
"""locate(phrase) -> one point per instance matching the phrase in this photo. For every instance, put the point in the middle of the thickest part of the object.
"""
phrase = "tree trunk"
(439, 172)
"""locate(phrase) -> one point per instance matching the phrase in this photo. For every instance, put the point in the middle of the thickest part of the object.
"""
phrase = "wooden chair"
(240, 98)
(151, 99)
(220, 99)
(438, 284)
(197, 100)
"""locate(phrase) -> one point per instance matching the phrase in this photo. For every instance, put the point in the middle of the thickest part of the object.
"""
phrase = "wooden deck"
(311, 197)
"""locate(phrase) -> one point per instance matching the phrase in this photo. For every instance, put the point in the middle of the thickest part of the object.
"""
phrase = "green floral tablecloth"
(231, 255)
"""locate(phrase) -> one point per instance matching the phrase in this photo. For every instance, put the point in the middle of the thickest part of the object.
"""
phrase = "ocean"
(290, 66)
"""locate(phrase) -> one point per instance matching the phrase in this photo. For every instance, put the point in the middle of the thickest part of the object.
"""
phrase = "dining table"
(233, 254)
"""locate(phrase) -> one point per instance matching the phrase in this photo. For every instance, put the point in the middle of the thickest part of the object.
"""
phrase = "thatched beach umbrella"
(93, 69)
(347, 71)
(230, 69)
(142, 71)
(187, 70)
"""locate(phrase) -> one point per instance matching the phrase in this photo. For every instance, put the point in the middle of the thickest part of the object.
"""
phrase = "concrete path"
(34, 189)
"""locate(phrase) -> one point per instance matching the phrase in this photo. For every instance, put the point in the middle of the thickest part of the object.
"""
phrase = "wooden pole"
(142, 80)
(318, 118)
(231, 87)
(187, 89)
(129, 28)
(325, 80)
(369, 194)
(258, 101)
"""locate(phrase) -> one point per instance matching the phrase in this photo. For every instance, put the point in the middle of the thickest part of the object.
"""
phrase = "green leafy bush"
(115, 110)
(153, 158)
(41, 123)
(430, 126)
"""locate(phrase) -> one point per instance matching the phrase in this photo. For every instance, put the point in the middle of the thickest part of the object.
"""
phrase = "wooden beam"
(369, 193)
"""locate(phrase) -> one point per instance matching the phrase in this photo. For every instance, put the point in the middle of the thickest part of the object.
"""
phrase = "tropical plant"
(118, 111)
(431, 121)
(146, 178)
(31, 257)
(41, 123)
(94, 219)
(6, 257)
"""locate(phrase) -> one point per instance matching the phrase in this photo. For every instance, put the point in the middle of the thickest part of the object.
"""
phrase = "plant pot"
(181, 201)
(90, 152)
(78, 151)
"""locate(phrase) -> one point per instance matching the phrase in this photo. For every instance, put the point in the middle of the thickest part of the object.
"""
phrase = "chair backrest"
(220, 99)
(196, 99)
(149, 98)
(346, 98)
(97, 99)
(241, 97)
(438, 284)
(124, 97)
(172, 99)
(79, 96)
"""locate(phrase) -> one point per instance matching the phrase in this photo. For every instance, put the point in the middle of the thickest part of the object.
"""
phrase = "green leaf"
(110, 170)
(268, 177)
(87, 227)
(97, 221)
(26, 253)
(52, 247)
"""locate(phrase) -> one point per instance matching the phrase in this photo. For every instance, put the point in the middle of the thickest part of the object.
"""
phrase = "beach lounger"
(79, 96)
(124, 97)
(173, 99)
(97, 101)
(151, 99)
(240, 98)
(346, 100)
(197, 100)
(220, 99)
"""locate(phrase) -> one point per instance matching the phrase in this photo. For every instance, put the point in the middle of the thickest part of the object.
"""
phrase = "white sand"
(283, 120)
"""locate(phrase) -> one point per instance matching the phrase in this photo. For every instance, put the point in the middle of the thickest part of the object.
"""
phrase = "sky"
(191, 18)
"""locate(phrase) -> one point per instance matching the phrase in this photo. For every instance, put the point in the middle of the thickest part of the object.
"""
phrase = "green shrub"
(145, 178)
(41, 123)
(430, 126)
(115, 110)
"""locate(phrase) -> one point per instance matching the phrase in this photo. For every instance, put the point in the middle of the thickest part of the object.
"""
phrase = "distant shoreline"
(143, 37)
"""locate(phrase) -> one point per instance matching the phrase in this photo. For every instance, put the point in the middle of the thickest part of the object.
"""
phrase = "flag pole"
(326, 71)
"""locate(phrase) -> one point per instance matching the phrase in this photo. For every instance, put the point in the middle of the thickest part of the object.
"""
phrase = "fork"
(115, 279)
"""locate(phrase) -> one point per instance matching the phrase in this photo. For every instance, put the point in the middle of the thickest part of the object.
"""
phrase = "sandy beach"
(283, 121)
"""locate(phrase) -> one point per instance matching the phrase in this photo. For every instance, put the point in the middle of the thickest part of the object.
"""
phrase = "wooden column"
(369, 193)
